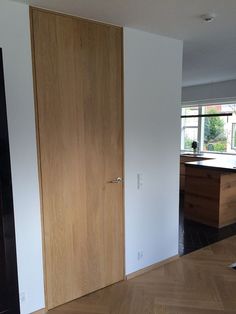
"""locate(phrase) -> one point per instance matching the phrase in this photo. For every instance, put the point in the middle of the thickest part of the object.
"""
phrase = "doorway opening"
(9, 296)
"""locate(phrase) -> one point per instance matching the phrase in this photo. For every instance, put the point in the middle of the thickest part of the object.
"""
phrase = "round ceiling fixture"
(209, 17)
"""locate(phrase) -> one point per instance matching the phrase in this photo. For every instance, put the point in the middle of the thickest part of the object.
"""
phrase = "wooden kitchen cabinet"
(210, 194)
(183, 160)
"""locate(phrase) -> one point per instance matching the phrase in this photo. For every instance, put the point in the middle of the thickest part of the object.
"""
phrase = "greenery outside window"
(212, 126)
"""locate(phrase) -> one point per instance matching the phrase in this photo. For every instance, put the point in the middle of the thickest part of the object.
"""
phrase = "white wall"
(15, 41)
(207, 92)
(152, 95)
(153, 78)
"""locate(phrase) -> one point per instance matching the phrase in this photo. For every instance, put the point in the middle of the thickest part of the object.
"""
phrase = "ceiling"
(209, 48)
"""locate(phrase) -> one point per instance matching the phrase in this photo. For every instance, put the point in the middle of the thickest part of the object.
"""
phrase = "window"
(233, 146)
(212, 126)
(189, 127)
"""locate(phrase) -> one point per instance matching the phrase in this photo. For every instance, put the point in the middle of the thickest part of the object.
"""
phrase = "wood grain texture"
(197, 283)
(78, 78)
(210, 196)
(202, 194)
(151, 267)
(227, 199)
(183, 160)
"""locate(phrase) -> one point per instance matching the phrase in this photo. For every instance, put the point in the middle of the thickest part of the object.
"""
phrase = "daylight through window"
(212, 126)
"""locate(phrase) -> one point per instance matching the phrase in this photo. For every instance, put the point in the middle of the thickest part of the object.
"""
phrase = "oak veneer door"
(78, 82)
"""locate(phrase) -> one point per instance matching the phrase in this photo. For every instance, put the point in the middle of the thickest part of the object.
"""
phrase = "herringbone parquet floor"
(198, 283)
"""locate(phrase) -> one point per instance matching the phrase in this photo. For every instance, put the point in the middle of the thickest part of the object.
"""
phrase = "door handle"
(116, 180)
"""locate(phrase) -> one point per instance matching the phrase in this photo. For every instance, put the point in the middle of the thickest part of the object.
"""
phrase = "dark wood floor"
(194, 236)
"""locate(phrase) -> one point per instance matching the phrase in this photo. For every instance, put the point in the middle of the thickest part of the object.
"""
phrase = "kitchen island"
(210, 192)
(188, 157)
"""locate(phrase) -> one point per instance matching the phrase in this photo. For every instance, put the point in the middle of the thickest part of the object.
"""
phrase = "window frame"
(233, 137)
(189, 127)
(200, 105)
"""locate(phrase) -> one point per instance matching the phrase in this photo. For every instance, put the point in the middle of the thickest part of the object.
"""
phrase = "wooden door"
(78, 83)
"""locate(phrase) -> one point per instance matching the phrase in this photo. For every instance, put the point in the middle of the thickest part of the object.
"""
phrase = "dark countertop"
(226, 165)
(200, 156)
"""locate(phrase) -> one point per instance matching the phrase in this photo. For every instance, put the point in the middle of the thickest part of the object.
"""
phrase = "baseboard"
(151, 267)
(134, 274)
(42, 311)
